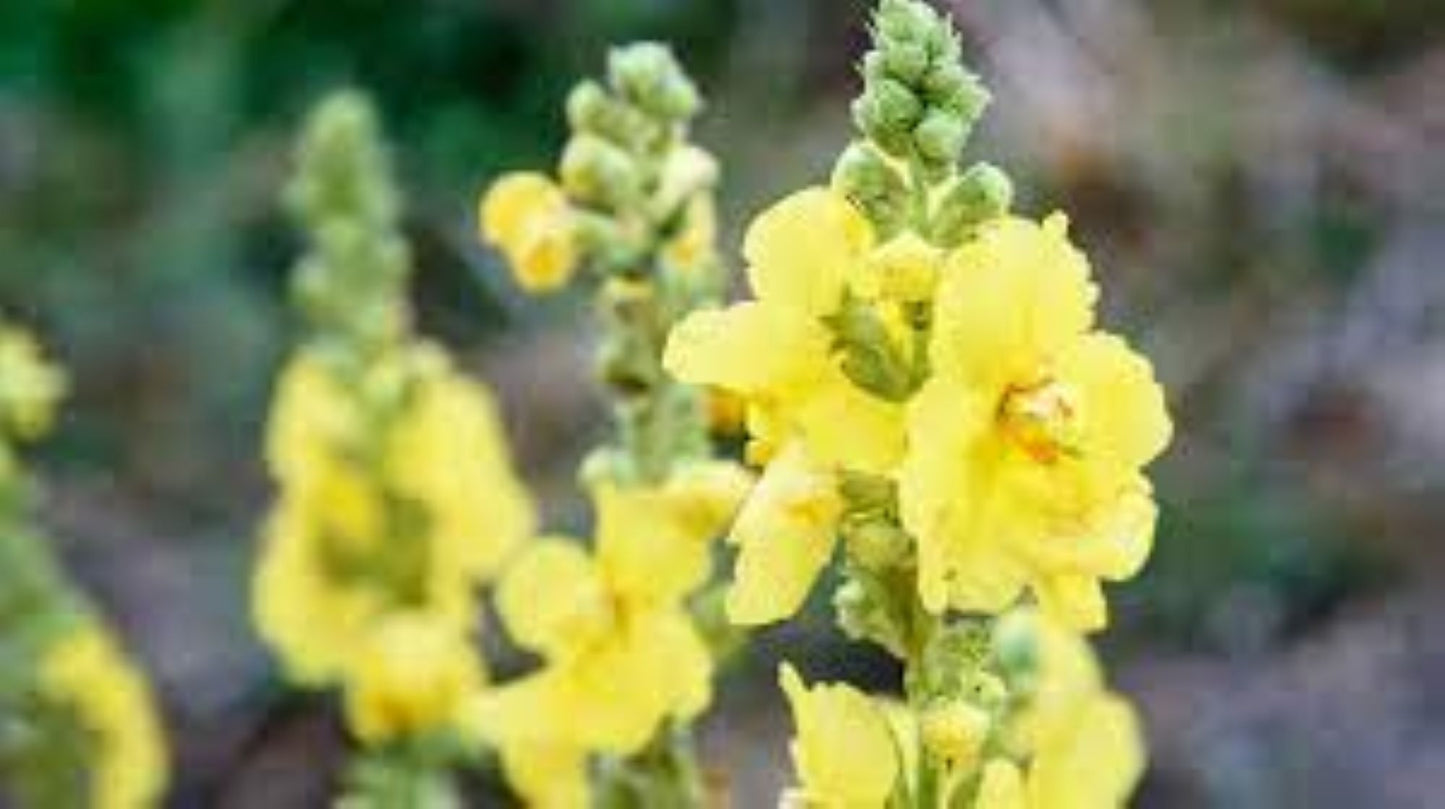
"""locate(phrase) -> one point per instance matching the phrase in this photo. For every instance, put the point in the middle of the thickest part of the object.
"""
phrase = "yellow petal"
(526, 216)
(800, 250)
(511, 201)
(1075, 600)
(1007, 302)
(553, 599)
(619, 693)
(843, 748)
(449, 453)
(548, 776)
(949, 501)
(1002, 787)
(786, 532)
(1095, 760)
(649, 554)
(846, 427)
(750, 348)
(1127, 424)
(1112, 539)
(415, 675)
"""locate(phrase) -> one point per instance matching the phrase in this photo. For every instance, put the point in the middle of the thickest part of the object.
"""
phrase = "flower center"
(1043, 419)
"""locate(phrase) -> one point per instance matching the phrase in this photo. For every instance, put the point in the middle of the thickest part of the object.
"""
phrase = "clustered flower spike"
(630, 634)
(918, 107)
(396, 496)
(80, 722)
(931, 398)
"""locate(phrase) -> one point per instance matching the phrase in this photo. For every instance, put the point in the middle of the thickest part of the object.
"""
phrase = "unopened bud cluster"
(918, 108)
(349, 283)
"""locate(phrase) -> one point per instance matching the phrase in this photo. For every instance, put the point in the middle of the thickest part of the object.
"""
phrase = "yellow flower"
(416, 674)
(29, 385)
(786, 532)
(1082, 742)
(1028, 440)
(85, 672)
(435, 512)
(777, 352)
(528, 218)
(620, 651)
(843, 748)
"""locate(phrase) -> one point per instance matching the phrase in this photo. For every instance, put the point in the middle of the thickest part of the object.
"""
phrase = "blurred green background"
(1261, 186)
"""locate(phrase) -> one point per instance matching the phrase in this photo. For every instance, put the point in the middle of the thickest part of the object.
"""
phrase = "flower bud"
(896, 106)
(874, 186)
(864, 615)
(587, 106)
(902, 21)
(982, 193)
(877, 544)
(955, 731)
(595, 171)
(939, 138)
(907, 62)
(648, 75)
(870, 122)
(1016, 644)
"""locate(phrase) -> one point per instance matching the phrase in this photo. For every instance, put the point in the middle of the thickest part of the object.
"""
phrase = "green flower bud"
(648, 75)
(869, 356)
(896, 106)
(907, 62)
(1016, 644)
(588, 107)
(597, 172)
(982, 193)
(877, 544)
(870, 122)
(864, 614)
(939, 138)
(903, 21)
(874, 185)
(942, 43)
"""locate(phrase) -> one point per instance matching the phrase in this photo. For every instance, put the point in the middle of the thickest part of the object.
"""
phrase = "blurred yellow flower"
(30, 386)
(528, 218)
(843, 747)
(786, 532)
(410, 512)
(1081, 742)
(416, 674)
(1027, 442)
(777, 352)
(620, 652)
(86, 673)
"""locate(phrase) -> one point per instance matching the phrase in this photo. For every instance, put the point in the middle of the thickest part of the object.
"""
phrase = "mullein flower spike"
(923, 377)
(396, 496)
(630, 634)
(81, 727)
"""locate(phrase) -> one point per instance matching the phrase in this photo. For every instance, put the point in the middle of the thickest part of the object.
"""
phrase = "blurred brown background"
(1261, 186)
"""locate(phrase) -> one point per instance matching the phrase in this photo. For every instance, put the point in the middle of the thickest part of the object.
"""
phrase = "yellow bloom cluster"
(1017, 459)
(1068, 743)
(84, 673)
(621, 652)
(406, 506)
